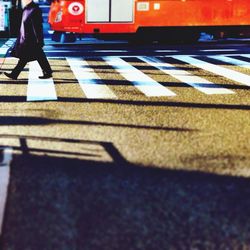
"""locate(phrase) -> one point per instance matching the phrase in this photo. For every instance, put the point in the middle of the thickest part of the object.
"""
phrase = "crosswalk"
(89, 81)
(222, 71)
(39, 90)
(141, 81)
(93, 87)
(197, 82)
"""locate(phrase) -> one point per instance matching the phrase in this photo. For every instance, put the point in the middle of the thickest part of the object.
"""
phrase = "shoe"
(9, 75)
(45, 76)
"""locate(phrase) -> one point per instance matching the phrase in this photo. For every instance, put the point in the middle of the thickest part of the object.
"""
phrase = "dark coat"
(30, 39)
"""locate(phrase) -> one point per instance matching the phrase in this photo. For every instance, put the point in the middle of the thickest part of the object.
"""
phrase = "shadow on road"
(32, 120)
(88, 197)
(176, 104)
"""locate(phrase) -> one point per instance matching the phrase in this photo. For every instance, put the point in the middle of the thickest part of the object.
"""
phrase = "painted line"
(113, 51)
(233, 61)
(4, 181)
(215, 50)
(4, 48)
(227, 73)
(57, 51)
(166, 50)
(224, 54)
(197, 82)
(142, 82)
(89, 81)
(245, 55)
(39, 89)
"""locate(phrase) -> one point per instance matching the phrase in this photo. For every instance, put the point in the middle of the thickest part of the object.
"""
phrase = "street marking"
(4, 181)
(89, 81)
(144, 83)
(227, 73)
(215, 50)
(39, 89)
(57, 51)
(5, 47)
(165, 50)
(245, 55)
(197, 82)
(113, 51)
(230, 60)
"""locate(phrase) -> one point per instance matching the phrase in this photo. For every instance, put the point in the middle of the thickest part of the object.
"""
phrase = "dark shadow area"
(26, 120)
(27, 70)
(64, 81)
(57, 202)
(137, 103)
(212, 85)
(18, 82)
(18, 98)
(242, 58)
(105, 82)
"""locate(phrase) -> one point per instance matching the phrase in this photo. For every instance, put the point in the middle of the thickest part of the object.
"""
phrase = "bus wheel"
(68, 38)
(140, 39)
(56, 36)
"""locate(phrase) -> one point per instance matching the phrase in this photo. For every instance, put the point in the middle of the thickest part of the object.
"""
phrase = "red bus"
(152, 18)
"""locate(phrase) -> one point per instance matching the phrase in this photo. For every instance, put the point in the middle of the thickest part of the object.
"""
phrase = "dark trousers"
(42, 60)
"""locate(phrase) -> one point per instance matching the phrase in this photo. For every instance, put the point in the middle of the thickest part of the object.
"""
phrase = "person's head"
(26, 2)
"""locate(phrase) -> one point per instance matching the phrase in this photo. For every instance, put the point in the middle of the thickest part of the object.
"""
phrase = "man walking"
(29, 43)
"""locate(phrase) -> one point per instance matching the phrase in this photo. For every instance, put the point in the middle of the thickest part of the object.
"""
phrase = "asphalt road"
(158, 159)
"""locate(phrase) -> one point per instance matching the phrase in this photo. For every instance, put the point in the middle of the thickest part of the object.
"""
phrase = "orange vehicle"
(152, 18)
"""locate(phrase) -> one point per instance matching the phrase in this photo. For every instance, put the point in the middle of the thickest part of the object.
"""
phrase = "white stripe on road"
(57, 51)
(165, 50)
(216, 50)
(4, 181)
(245, 55)
(233, 61)
(113, 51)
(89, 81)
(227, 73)
(199, 83)
(4, 48)
(39, 89)
(144, 83)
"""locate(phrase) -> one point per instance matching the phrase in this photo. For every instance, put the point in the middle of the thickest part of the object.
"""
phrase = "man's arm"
(37, 23)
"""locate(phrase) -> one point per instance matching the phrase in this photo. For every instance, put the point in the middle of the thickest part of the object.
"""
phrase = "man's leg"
(17, 70)
(44, 64)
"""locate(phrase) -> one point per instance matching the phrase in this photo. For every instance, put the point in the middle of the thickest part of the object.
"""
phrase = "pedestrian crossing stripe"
(219, 70)
(6, 46)
(218, 50)
(94, 88)
(89, 81)
(142, 82)
(230, 60)
(245, 55)
(39, 90)
(198, 83)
